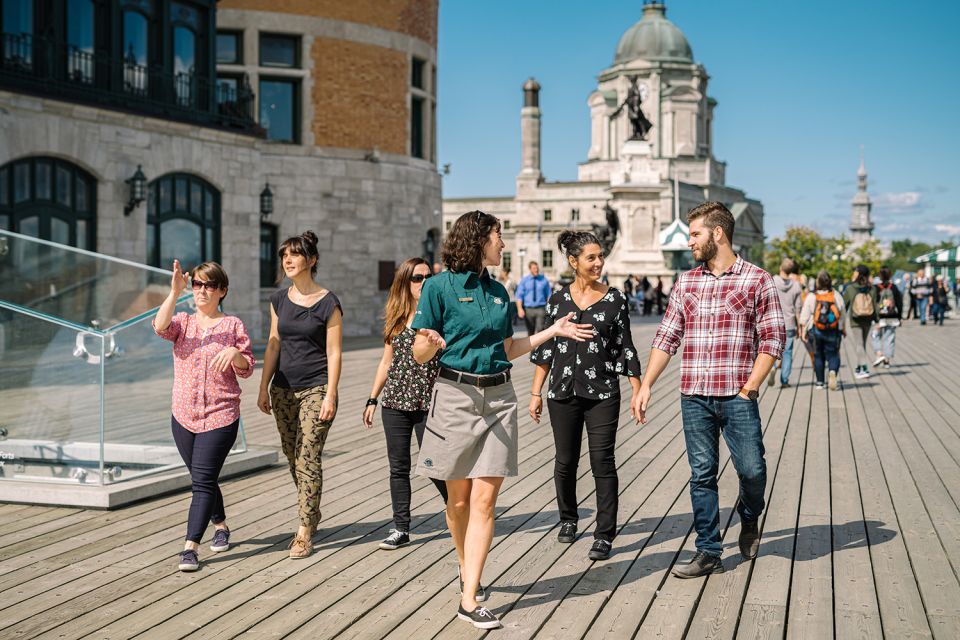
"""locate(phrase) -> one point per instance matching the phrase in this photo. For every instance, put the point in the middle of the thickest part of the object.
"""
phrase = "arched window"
(183, 221)
(51, 199)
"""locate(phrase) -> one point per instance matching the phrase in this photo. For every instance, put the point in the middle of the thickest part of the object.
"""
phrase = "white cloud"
(899, 202)
(948, 229)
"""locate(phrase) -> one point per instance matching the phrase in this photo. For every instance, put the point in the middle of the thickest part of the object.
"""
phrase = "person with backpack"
(821, 319)
(938, 299)
(791, 301)
(860, 298)
(890, 310)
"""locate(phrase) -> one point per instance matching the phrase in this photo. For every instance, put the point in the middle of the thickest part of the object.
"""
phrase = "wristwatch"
(372, 402)
(752, 394)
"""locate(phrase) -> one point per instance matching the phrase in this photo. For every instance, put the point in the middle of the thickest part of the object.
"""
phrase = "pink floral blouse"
(203, 398)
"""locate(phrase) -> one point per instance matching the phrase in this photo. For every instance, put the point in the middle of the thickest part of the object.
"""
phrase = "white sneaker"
(879, 361)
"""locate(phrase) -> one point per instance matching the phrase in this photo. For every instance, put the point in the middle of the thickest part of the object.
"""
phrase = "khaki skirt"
(470, 432)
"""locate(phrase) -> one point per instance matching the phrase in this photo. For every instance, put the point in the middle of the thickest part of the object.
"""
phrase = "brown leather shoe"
(300, 547)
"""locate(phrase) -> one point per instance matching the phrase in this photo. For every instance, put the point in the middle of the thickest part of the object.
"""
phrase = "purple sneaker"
(221, 540)
(189, 560)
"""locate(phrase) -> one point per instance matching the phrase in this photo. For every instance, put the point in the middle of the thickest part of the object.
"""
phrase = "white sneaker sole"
(393, 547)
(220, 549)
(188, 567)
(495, 624)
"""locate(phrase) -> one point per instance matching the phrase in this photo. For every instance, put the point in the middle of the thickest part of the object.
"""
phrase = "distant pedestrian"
(584, 388)
(906, 288)
(532, 294)
(407, 387)
(301, 374)
(939, 296)
(628, 291)
(860, 300)
(890, 301)
(822, 325)
(658, 295)
(437, 268)
(921, 291)
(791, 301)
(727, 315)
(648, 292)
(210, 351)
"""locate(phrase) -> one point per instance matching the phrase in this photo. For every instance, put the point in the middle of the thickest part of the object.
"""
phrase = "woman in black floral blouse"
(584, 386)
(406, 388)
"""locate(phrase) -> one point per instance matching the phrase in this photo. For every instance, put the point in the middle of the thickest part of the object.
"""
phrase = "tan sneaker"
(300, 547)
(832, 380)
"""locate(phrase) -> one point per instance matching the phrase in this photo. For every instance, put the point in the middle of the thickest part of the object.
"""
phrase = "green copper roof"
(654, 38)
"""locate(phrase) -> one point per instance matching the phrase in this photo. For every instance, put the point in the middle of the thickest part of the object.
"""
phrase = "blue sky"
(800, 86)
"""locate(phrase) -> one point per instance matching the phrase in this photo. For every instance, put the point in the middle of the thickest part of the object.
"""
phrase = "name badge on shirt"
(465, 299)
(497, 301)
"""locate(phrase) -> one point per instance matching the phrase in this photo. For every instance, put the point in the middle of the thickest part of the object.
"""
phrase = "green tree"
(803, 245)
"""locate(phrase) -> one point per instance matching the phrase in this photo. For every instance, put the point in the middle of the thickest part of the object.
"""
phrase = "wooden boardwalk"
(861, 537)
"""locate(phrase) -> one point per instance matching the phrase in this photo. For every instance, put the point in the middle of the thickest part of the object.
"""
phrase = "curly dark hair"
(463, 246)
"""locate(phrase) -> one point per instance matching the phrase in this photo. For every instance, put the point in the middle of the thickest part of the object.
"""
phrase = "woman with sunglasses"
(301, 372)
(471, 431)
(406, 387)
(210, 350)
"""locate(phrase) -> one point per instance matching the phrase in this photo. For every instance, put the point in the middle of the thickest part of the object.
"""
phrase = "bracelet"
(372, 402)
(536, 395)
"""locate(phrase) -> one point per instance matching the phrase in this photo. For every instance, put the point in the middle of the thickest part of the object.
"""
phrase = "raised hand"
(567, 328)
(180, 280)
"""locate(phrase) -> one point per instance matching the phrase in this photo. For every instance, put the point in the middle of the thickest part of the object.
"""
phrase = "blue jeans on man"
(922, 308)
(786, 365)
(738, 419)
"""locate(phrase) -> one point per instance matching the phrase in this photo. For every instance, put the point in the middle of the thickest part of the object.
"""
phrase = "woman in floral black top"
(407, 387)
(584, 386)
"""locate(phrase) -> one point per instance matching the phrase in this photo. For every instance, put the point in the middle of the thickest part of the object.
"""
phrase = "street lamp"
(266, 201)
(138, 190)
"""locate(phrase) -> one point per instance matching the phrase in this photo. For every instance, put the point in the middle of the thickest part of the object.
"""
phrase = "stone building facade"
(331, 104)
(649, 182)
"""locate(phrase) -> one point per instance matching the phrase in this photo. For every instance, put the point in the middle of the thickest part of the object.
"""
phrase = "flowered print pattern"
(409, 383)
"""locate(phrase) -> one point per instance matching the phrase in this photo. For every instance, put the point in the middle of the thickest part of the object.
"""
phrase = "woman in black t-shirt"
(584, 387)
(302, 360)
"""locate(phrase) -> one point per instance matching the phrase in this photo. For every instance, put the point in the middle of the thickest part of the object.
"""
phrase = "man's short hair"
(788, 266)
(533, 263)
(714, 215)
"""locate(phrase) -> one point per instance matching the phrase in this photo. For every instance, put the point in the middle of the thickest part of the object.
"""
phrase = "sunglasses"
(209, 286)
(419, 277)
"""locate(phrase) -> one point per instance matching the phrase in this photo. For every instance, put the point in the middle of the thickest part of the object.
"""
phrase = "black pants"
(397, 427)
(567, 417)
(204, 454)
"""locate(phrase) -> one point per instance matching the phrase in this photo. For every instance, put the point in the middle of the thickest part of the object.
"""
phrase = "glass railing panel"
(50, 399)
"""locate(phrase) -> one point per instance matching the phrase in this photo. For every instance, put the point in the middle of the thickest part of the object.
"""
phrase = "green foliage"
(813, 253)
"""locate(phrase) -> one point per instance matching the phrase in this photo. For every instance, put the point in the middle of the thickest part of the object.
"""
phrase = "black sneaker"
(395, 540)
(749, 539)
(221, 540)
(481, 617)
(568, 532)
(480, 596)
(600, 550)
(702, 564)
(189, 561)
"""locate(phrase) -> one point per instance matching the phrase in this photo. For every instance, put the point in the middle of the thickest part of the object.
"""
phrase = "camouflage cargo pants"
(302, 436)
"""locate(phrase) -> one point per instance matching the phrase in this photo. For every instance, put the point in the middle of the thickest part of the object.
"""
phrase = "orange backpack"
(826, 315)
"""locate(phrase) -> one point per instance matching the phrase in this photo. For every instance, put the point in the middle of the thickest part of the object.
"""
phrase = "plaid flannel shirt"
(724, 323)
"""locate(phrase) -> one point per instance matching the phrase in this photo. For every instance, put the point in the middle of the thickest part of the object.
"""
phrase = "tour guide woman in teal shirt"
(471, 431)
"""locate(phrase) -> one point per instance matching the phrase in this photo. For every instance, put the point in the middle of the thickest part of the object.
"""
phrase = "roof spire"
(862, 173)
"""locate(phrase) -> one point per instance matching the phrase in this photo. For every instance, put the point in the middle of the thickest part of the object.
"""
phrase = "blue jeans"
(826, 351)
(937, 312)
(922, 309)
(787, 364)
(704, 418)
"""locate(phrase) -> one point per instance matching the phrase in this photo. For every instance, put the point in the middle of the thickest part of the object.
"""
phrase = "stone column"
(530, 130)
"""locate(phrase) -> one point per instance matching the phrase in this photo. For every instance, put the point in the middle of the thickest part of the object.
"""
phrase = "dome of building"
(654, 38)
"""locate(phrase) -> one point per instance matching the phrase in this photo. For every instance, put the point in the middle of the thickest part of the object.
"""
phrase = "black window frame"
(45, 209)
(156, 217)
(269, 261)
(546, 258)
(418, 76)
(238, 35)
(417, 130)
(548, 215)
(297, 108)
(297, 46)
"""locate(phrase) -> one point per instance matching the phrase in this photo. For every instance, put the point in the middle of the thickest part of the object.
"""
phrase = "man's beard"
(708, 251)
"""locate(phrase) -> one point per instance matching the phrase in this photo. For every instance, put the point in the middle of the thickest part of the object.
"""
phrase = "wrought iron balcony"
(50, 68)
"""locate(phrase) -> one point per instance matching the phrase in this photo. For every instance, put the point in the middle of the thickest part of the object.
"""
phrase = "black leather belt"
(491, 380)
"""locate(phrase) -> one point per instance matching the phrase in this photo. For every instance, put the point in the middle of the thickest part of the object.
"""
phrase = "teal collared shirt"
(472, 313)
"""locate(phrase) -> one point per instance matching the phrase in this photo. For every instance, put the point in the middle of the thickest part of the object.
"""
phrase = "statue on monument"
(607, 233)
(641, 126)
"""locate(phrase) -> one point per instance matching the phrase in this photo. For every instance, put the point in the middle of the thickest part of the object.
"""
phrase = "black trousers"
(398, 427)
(204, 454)
(568, 417)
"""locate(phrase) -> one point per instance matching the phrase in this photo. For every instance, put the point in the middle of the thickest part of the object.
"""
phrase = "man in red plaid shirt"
(728, 315)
